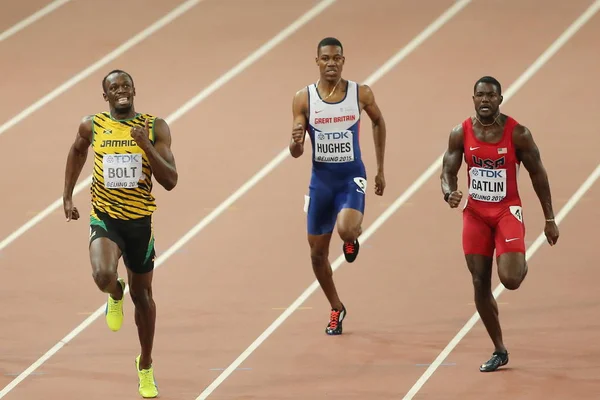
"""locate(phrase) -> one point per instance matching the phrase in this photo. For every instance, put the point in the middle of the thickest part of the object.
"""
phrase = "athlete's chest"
(335, 131)
(491, 150)
(326, 116)
(114, 138)
(490, 170)
(121, 158)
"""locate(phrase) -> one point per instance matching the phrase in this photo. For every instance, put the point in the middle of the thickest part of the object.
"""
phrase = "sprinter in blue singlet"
(329, 110)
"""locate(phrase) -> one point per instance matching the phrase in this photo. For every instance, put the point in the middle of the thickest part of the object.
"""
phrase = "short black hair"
(489, 79)
(119, 71)
(330, 41)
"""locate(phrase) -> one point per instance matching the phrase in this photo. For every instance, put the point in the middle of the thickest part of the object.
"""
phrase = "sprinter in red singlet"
(494, 145)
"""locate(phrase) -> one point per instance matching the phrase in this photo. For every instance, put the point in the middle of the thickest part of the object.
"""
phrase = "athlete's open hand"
(455, 198)
(140, 135)
(298, 133)
(71, 211)
(551, 232)
(379, 184)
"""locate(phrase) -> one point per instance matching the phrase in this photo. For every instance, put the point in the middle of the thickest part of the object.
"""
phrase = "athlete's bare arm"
(451, 164)
(367, 99)
(529, 154)
(160, 156)
(75, 162)
(300, 122)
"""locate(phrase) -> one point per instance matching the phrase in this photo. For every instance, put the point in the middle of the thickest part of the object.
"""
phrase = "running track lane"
(62, 44)
(54, 233)
(183, 82)
(17, 12)
(280, 63)
(548, 323)
(386, 338)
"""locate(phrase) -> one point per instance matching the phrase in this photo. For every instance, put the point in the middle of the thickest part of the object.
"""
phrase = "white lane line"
(385, 68)
(296, 25)
(149, 31)
(541, 61)
(39, 14)
(194, 101)
(416, 185)
(539, 241)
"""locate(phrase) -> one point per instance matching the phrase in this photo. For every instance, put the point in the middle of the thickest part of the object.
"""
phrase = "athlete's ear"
(104, 96)
(501, 100)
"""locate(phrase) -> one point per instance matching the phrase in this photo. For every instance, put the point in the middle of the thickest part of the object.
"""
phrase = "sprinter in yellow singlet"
(129, 149)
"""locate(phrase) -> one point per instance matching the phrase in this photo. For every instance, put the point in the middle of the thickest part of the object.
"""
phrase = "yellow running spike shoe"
(114, 310)
(147, 385)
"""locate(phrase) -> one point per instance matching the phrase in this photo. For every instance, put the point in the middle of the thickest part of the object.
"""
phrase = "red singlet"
(492, 217)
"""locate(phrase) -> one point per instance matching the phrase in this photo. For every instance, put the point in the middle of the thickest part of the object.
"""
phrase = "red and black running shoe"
(350, 250)
(335, 321)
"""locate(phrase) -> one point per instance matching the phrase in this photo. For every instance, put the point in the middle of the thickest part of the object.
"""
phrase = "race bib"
(334, 147)
(487, 184)
(122, 170)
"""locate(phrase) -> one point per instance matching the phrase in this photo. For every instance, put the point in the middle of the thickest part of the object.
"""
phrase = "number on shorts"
(517, 212)
(361, 183)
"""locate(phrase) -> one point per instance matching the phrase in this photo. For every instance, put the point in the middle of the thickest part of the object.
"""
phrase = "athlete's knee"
(141, 296)
(319, 251)
(480, 275)
(481, 284)
(512, 269)
(349, 225)
(511, 281)
(104, 278)
(348, 233)
(318, 256)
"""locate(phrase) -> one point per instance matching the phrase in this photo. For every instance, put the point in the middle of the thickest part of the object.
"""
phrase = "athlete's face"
(486, 99)
(330, 61)
(119, 91)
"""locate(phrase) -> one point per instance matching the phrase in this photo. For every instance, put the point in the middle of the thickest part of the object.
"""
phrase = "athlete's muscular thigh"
(510, 248)
(104, 257)
(477, 235)
(350, 205)
(510, 231)
(139, 242)
(320, 211)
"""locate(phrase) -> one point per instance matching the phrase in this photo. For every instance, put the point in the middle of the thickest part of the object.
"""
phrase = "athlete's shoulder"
(300, 99)
(459, 129)
(86, 122)
(363, 88)
(456, 137)
(146, 116)
(521, 136)
(365, 93)
(102, 115)
(301, 93)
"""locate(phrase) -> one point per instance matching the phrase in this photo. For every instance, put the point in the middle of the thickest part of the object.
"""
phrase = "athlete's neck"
(327, 87)
(488, 121)
(327, 84)
(122, 114)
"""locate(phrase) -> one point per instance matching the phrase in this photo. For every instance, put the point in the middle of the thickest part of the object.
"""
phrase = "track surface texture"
(237, 317)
